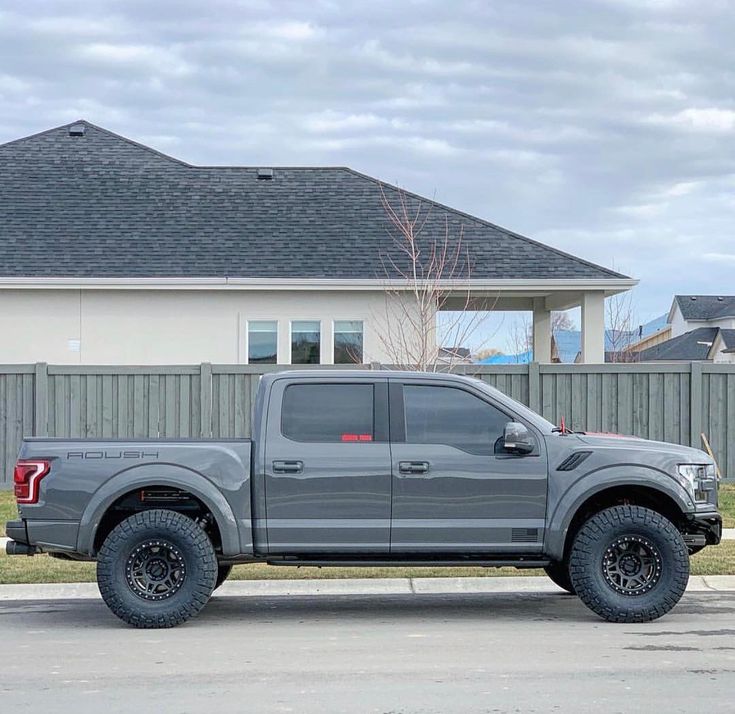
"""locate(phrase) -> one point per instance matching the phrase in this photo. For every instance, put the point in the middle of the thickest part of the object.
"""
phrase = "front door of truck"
(455, 489)
(327, 466)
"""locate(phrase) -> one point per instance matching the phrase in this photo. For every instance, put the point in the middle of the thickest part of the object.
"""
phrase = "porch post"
(593, 328)
(541, 331)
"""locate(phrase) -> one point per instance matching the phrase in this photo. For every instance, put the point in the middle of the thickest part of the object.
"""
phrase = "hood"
(686, 454)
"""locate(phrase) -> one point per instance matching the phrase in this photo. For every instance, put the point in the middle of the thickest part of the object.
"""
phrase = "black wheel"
(629, 564)
(559, 574)
(156, 569)
(223, 572)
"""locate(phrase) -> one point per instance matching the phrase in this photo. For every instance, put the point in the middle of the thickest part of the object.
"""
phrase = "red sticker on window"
(357, 437)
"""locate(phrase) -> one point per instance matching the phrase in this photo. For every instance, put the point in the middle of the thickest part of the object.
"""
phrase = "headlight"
(699, 480)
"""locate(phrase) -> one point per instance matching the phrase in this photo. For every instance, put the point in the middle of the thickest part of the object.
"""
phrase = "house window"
(262, 342)
(305, 339)
(347, 342)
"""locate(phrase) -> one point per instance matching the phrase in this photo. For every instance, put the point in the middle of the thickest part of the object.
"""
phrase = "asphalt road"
(500, 652)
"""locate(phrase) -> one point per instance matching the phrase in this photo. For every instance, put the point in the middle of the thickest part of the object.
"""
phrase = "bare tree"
(621, 332)
(520, 336)
(423, 276)
(561, 321)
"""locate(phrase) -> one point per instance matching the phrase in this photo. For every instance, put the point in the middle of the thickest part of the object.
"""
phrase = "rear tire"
(559, 574)
(629, 564)
(223, 572)
(156, 569)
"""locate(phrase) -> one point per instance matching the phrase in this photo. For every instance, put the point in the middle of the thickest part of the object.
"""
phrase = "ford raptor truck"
(362, 468)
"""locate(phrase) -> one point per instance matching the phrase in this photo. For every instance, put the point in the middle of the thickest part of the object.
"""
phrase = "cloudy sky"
(603, 127)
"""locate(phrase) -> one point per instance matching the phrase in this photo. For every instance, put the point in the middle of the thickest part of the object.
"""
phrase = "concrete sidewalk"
(352, 586)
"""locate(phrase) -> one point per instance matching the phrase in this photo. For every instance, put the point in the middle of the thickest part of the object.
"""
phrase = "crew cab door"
(327, 466)
(455, 489)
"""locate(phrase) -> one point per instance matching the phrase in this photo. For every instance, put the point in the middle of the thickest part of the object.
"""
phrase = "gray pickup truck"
(371, 468)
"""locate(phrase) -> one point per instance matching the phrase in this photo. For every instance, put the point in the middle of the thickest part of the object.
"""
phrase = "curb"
(354, 586)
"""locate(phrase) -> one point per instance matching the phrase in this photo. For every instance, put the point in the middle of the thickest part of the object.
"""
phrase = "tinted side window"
(446, 415)
(328, 412)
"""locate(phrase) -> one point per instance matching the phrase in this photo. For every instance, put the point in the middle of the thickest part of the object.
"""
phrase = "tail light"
(27, 479)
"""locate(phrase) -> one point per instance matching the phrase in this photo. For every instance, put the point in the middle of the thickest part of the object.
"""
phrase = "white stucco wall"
(170, 326)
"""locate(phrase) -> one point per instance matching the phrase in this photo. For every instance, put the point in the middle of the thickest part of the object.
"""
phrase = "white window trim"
(334, 331)
(290, 338)
(246, 356)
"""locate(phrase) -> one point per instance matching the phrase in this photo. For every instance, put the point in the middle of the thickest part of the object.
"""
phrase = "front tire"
(629, 564)
(156, 569)
(223, 572)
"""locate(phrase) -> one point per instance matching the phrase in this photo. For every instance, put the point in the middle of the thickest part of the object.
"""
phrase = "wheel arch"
(152, 476)
(640, 486)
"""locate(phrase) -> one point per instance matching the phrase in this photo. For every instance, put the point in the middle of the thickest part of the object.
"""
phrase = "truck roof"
(366, 374)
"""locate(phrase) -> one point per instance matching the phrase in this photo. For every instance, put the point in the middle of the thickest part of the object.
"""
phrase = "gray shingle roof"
(728, 337)
(706, 307)
(100, 205)
(693, 345)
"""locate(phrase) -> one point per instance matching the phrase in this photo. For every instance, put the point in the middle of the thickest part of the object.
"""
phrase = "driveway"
(491, 652)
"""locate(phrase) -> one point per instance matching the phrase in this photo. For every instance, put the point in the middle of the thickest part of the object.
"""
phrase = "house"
(700, 328)
(114, 253)
(620, 345)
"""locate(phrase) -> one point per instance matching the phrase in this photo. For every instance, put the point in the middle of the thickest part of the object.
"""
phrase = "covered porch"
(541, 298)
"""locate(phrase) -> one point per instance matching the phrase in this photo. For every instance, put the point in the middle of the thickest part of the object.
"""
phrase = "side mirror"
(516, 438)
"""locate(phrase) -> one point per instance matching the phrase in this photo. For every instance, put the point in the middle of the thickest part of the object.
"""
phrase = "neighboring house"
(113, 253)
(620, 345)
(454, 355)
(689, 312)
(702, 328)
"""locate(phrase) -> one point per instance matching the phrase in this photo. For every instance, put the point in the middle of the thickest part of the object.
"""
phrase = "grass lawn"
(718, 560)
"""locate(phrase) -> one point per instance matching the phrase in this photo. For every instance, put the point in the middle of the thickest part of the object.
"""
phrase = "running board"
(321, 563)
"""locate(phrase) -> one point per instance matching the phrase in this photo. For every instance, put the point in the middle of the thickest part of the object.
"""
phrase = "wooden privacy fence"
(668, 402)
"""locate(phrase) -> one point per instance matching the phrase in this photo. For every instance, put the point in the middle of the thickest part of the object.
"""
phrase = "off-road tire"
(559, 575)
(600, 536)
(191, 546)
(223, 572)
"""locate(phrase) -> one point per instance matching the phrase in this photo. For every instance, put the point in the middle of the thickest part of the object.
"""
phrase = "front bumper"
(703, 529)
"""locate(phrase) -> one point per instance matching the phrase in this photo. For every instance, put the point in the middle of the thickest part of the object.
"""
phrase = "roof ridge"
(105, 131)
(444, 206)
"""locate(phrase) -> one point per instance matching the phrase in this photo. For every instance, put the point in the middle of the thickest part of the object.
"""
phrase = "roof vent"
(693, 297)
(77, 130)
(265, 174)
(720, 299)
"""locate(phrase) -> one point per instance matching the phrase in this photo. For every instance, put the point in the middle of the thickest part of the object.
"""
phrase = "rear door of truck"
(328, 466)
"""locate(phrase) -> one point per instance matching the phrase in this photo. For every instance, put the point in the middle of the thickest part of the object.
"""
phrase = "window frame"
(381, 432)
(398, 417)
(334, 340)
(290, 341)
(247, 339)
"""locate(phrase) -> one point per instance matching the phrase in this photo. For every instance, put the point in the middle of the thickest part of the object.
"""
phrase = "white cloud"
(711, 119)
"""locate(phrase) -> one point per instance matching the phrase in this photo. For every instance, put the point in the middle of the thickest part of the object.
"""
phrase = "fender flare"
(160, 475)
(605, 478)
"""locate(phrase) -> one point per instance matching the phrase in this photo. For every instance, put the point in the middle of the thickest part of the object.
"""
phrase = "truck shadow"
(292, 610)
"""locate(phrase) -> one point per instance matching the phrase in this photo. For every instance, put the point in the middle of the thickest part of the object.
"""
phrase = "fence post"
(695, 405)
(40, 400)
(205, 401)
(534, 387)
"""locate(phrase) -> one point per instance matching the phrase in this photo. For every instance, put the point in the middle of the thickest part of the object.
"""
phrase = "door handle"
(288, 467)
(413, 467)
